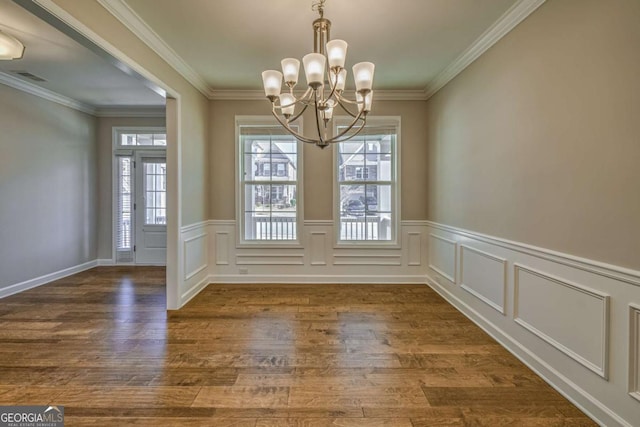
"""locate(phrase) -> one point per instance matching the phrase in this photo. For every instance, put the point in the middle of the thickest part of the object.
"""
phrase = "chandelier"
(324, 94)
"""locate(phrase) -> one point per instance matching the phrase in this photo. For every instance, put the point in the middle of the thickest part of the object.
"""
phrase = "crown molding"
(49, 95)
(258, 95)
(507, 22)
(130, 19)
(24, 86)
(132, 111)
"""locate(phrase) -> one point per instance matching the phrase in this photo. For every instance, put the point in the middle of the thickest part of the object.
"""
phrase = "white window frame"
(261, 121)
(118, 150)
(394, 242)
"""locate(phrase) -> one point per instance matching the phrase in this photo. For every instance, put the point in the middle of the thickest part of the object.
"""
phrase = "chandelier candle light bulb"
(337, 53)
(288, 104)
(363, 74)
(326, 80)
(290, 70)
(314, 64)
(272, 81)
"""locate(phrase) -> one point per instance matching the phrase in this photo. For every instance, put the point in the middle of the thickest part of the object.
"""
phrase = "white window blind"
(124, 216)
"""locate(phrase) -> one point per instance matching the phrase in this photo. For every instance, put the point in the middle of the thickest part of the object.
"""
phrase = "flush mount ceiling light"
(324, 92)
(10, 47)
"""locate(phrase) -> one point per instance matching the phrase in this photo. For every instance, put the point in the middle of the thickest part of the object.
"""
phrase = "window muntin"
(367, 186)
(269, 184)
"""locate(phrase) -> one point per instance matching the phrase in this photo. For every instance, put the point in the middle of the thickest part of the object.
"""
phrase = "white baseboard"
(38, 281)
(314, 279)
(104, 262)
(194, 290)
(579, 397)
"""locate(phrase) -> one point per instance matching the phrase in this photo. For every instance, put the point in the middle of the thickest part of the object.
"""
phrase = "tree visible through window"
(268, 184)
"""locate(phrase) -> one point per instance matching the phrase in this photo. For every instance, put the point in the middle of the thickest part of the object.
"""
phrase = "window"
(269, 189)
(367, 183)
(362, 173)
(142, 139)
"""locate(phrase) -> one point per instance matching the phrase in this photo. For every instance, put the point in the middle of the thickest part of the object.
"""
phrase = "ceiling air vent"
(29, 76)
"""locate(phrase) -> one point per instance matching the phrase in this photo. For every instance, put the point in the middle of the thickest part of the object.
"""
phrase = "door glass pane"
(155, 200)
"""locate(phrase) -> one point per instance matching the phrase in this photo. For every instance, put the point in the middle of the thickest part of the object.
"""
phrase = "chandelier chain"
(318, 6)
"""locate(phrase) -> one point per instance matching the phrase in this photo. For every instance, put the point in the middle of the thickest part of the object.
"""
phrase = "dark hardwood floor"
(101, 344)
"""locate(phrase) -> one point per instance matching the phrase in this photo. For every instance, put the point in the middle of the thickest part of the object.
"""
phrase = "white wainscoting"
(570, 319)
(634, 351)
(317, 259)
(442, 256)
(194, 239)
(484, 275)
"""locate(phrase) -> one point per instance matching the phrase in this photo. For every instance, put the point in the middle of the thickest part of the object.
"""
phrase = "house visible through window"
(367, 184)
(269, 183)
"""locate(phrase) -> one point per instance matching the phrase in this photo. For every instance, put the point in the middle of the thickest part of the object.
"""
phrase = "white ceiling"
(229, 43)
(69, 68)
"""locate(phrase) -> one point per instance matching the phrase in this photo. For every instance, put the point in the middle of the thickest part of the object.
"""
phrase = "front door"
(151, 208)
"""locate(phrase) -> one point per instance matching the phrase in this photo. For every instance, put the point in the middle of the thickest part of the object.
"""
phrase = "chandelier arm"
(345, 108)
(321, 140)
(307, 93)
(336, 141)
(332, 86)
(291, 131)
(348, 101)
(344, 132)
(297, 116)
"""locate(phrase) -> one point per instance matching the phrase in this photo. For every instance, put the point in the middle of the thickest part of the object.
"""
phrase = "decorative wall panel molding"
(570, 317)
(367, 259)
(222, 247)
(414, 247)
(569, 313)
(269, 259)
(318, 248)
(634, 351)
(610, 271)
(484, 276)
(195, 255)
(318, 259)
(442, 256)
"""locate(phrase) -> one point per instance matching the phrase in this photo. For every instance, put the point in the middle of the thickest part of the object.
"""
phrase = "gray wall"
(538, 140)
(48, 183)
(105, 175)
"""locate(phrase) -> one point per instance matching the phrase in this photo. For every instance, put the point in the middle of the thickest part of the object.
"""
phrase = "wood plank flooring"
(101, 344)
